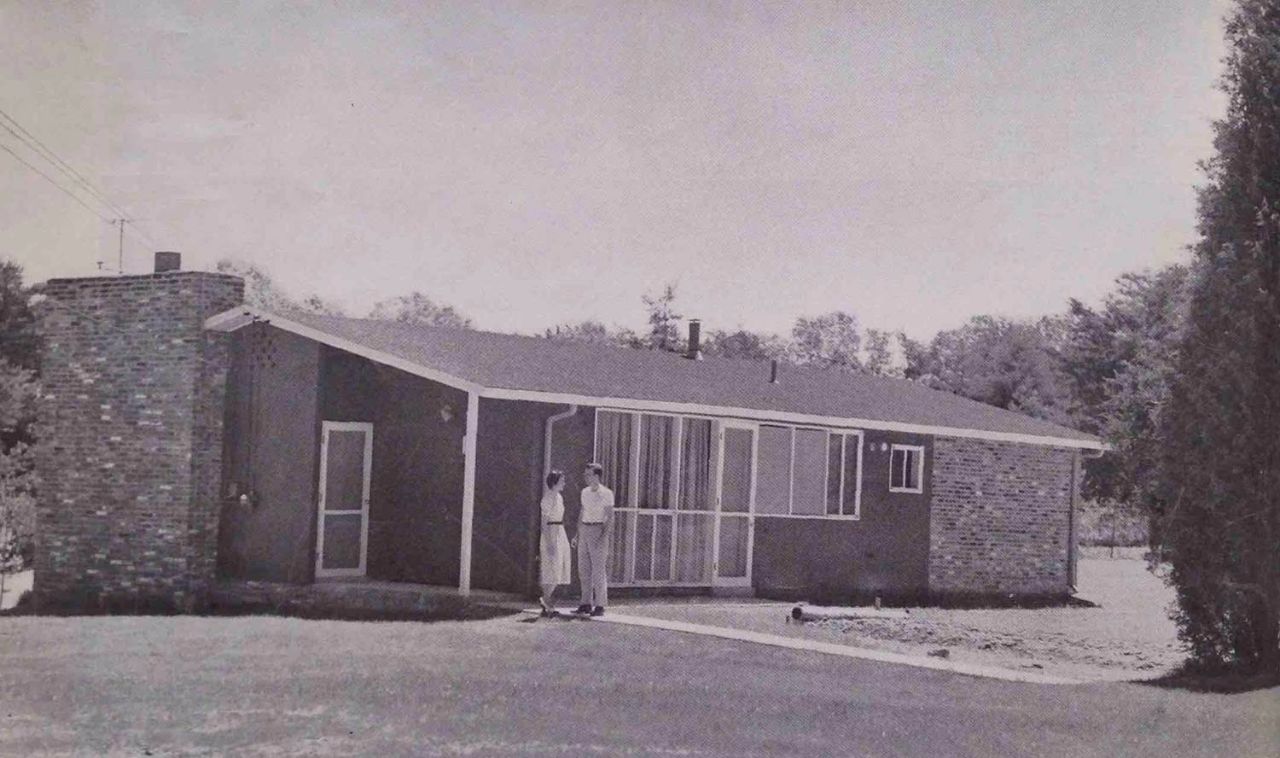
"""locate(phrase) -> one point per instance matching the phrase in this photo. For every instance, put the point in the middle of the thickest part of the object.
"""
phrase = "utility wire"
(33, 143)
(50, 179)
(43, 150)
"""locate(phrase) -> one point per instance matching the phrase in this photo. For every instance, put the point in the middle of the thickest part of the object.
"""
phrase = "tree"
(1118, 362)
(1008, 364)
(827, 341)
(743, 344)
(664, 331)
(1216, 497)
(592, 332)
(417, 308)
(261, 290)
(880, 359)
(19, 389)
(19, 340)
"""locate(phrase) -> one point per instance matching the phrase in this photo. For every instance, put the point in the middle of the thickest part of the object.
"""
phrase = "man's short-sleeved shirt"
(595, 503)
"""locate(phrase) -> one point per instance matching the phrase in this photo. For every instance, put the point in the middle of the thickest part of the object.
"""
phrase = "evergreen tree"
(1216, 501)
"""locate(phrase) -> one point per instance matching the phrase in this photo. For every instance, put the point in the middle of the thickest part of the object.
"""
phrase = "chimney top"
(773, 371)
(695, 340)
(166, 262)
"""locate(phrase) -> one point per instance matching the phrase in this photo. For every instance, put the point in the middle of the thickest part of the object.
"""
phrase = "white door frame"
(344, 426)
(749, 514)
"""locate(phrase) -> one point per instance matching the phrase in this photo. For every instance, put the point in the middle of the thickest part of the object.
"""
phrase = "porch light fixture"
(446, 413)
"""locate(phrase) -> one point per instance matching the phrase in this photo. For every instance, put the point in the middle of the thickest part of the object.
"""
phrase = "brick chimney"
(694, 351)
(132, 407)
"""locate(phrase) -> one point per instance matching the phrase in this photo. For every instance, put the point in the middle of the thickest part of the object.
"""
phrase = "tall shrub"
(1216, 498)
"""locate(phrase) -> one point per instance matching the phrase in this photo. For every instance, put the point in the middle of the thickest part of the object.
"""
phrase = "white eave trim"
(240, 316)
(785, 417)
(243, 315)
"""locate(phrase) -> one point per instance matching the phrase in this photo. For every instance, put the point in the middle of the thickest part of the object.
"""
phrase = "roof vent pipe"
(166, 262)
(773, 371)
(695, 340)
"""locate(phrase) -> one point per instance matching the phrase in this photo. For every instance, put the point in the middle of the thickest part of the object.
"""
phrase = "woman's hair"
(554, 478)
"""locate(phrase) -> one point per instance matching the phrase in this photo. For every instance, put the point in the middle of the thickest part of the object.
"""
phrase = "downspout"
(1073, 548)
(546, 441)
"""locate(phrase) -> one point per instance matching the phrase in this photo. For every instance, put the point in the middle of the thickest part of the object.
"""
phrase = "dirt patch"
(1122, 632)
(1042, 645)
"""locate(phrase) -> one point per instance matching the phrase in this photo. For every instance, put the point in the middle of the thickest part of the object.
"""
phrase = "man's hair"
(596, 469)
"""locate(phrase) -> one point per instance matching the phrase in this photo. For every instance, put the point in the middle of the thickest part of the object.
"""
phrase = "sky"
(912, 163)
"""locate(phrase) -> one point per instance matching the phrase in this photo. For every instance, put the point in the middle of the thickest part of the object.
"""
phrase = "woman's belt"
(555, 523)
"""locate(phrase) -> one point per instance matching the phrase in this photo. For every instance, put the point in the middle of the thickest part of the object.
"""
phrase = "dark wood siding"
(415, 508)
(271, 446)
(885, 552)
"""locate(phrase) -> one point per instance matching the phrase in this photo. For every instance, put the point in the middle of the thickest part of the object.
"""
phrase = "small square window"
(906, 469)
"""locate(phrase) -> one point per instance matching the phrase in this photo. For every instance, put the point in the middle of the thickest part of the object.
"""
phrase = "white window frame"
(844, 436)
(791, 472)
(919, 451)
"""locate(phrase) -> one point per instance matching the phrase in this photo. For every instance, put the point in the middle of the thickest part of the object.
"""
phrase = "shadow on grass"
(147, 607)
(1190, 679)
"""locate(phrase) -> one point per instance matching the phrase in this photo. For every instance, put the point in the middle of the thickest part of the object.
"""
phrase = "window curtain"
(613, 450)
(694, 537)
(657, 443)
(695, 465)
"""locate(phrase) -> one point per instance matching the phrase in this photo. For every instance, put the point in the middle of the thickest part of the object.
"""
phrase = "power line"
(50, 179)
(34, 144)
(43, 150)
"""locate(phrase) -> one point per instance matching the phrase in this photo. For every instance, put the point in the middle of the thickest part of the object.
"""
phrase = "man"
(595, 520)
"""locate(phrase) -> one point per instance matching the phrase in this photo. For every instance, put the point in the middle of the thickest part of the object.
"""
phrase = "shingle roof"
(517, 362)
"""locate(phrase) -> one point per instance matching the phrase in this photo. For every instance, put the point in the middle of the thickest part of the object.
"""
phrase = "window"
(808, 472)
(906, 469)
(844, 471)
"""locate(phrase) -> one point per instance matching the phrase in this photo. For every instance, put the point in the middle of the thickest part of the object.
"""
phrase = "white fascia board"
(753, 414)
(241, 316)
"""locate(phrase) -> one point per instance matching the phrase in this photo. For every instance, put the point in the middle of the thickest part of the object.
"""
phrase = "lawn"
(261, 685)
(1126, 635)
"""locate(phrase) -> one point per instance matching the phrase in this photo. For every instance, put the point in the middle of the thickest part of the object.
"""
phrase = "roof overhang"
(244, 315)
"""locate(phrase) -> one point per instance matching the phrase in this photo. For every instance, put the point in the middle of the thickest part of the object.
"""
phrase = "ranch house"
(194, 439)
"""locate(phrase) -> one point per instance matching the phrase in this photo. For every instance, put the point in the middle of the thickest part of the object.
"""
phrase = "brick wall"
(1000, 519)
(131, 414)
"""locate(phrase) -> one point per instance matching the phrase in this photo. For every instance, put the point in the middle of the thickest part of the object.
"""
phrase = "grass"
(254, 685)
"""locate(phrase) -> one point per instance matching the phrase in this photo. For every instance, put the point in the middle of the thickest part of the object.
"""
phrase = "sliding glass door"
(684, 491)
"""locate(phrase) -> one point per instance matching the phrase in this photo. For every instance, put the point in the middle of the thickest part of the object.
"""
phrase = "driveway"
(295, 687)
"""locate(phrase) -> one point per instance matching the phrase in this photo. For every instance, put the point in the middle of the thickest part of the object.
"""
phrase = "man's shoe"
(598, 610)
(584, 608)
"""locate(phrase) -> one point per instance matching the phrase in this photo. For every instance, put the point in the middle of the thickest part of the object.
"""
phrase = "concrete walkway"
(831, 648)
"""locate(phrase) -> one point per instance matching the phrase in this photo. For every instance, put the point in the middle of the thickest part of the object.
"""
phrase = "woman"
(554, 547)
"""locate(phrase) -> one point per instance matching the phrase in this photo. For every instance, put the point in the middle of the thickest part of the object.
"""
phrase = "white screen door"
(733, 519)
(342, 538)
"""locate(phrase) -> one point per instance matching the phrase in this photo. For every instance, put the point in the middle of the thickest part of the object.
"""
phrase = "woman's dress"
(554, 543)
